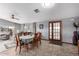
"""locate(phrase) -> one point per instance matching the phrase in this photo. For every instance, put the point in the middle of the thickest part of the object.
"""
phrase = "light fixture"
(12, 16)
(36, 10)
(47, 5)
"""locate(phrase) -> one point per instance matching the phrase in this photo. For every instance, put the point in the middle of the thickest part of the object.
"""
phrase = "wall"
(67, 32)
(67, 28)
(44, 31)
(7, 24)
(28, 27)
(22, 28)
(31, 27)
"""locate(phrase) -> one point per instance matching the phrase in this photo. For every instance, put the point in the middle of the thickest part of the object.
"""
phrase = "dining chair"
(17, 41)
(37, 39)
(25, 33)
(20, 43)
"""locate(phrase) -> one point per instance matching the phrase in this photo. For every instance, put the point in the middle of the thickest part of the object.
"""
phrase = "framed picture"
(41, 26)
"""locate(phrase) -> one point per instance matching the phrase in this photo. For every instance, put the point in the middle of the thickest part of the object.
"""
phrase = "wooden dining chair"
(20, 43)
(25, 33)
(17, 41)
(37, 39)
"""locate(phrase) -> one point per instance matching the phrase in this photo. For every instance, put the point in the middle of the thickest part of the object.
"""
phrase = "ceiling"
(25, 11)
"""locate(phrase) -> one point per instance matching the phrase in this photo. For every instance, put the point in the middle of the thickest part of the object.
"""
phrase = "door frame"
(58, 42)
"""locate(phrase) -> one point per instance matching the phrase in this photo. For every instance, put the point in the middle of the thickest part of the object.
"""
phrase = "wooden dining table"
(27, 38)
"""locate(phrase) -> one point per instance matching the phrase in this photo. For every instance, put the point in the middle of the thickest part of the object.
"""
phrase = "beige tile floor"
(45, 49)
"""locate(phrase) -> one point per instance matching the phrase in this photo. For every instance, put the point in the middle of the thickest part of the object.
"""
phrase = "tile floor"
(45, 49)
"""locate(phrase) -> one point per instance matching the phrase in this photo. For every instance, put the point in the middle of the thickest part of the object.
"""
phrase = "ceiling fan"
(13, 17)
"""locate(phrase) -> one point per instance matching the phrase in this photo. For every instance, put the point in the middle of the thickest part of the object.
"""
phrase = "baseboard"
(45, 39)
(67, 43)
(62, 42)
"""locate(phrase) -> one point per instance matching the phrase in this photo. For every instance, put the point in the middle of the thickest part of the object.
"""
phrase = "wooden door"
(55, 32)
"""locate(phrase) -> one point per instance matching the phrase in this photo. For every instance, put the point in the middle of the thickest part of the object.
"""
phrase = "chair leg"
(27, 47)
(33, 45)
(40, 42)
(20, 48)
(37, 44)
(16, 48)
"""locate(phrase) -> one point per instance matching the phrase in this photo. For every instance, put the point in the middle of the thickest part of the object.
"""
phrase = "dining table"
(27, 38)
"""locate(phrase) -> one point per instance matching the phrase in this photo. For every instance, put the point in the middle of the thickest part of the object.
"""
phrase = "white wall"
(22, 28)
(67, 32)
(5, 23)
(28, 27)
(44, 31)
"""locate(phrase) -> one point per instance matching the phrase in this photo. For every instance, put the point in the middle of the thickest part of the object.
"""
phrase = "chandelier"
(47, 5)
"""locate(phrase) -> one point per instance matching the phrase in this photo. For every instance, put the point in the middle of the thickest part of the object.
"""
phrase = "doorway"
(55, 32)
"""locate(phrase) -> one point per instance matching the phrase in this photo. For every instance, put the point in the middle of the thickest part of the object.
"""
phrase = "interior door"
(55, 32)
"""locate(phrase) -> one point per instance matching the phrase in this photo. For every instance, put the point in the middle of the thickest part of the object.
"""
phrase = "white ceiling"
(25, 11)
